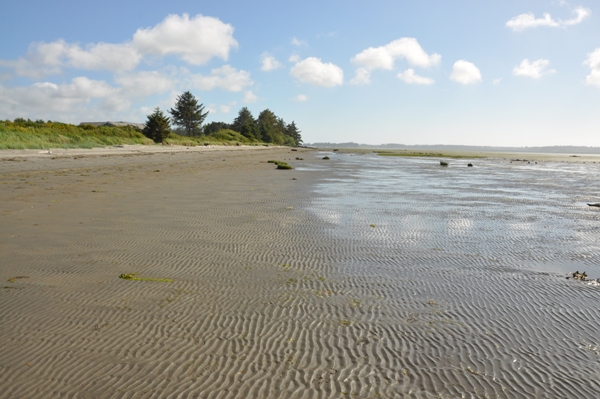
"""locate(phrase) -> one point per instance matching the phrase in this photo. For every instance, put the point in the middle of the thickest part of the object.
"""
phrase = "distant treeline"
(188, 116)
(267, 128)
(444, 147)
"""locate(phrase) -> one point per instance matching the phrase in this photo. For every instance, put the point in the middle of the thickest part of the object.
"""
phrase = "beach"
(354, 277)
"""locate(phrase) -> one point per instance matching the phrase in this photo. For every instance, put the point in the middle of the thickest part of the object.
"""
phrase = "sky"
(470, 72)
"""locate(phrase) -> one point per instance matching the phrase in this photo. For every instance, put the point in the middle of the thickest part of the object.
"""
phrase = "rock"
(597, 204)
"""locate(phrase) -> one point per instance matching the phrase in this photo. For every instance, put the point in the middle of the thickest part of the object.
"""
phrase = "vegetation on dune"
(187, 116)
(28, 134)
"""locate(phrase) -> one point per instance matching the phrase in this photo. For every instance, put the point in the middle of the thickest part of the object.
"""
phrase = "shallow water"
(480, 255)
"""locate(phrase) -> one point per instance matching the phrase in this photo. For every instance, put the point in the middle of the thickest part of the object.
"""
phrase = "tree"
(214, 127)
(245, 124)
(188, 114)
(293, 132)
(269, 127)
(157, 126)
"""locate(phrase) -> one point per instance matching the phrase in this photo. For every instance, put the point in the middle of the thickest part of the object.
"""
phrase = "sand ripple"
(283, 289)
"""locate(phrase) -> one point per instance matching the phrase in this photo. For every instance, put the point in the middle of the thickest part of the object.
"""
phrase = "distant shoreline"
(474, 155)
(570, 150)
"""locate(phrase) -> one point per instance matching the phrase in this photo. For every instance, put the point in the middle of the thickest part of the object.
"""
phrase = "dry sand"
(268, 299)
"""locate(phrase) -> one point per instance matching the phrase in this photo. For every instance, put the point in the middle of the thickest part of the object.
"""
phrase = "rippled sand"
(366, 277)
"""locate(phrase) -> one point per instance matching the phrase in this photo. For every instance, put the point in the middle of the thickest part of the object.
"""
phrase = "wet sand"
(321, 287)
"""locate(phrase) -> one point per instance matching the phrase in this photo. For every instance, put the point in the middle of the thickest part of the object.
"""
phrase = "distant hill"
(444, 147)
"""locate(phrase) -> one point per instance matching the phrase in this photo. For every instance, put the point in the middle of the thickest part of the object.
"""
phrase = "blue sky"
(515, 73)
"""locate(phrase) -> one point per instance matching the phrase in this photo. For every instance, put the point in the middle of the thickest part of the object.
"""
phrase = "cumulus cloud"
(593, 61)
(44, 59)
(48, 100)
(145, 83)
(294, 58)
(535, 69)
(196, 40)
(313, 70)
(249, 97)
(361, 77)
(269, 63)
(409, 76)
(465, 73)
(301, 98)
(528, 20)
(225, 77)
(383, 57)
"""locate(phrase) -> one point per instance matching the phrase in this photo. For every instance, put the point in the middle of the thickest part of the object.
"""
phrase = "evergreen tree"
(245, 124)
(214, 127)
(269, 127)
(293, 132)
(188, 114)
(157, 126)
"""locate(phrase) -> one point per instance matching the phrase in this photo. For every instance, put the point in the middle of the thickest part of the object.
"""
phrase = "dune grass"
(40, 135)
(27, 134)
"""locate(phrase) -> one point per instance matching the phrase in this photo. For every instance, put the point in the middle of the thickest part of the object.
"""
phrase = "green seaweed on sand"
(326, 157)
(132, 276)
(443, 163)
(280, 164)
(13, 279)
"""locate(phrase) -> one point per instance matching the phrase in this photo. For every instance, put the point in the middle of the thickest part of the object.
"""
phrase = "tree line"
(188, 116)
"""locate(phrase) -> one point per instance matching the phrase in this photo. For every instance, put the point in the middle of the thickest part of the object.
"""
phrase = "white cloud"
(496, 82)
(535, 69)
(301, 98)
(225, 77)
(409, 76)
(383, 57)
(313, 70)
(249, 97)
(361, 77)
(226, 108)
(294, 58)
(297, 42)
(528, 20)
(49, 100)
(145, 83)
(465, 73)
(269, 63)
(195, 40)
(593, 61)
(50, 58)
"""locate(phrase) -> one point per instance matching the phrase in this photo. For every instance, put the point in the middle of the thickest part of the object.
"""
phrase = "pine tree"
(293, 132)
(245, 124)
(157, 127)
(188, 114)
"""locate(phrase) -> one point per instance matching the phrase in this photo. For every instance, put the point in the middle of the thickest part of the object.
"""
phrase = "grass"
(27, 134)
(40, 135)
(406, 153)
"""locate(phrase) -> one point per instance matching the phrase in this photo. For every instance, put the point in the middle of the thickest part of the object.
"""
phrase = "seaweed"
(132, 276)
